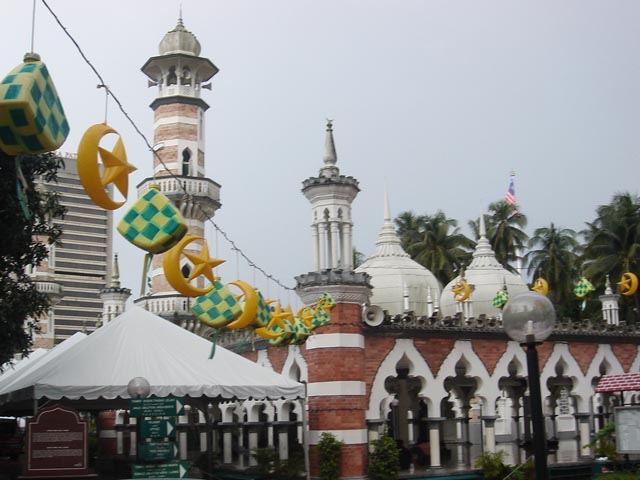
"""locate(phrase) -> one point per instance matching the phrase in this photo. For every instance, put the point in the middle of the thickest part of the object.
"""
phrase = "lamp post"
(529, 318)
(138, 387)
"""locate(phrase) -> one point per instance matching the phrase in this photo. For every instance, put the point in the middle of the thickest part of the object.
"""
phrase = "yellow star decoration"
(116, 167)
(203, 264)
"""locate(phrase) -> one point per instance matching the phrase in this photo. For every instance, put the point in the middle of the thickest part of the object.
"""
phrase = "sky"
(437, 100)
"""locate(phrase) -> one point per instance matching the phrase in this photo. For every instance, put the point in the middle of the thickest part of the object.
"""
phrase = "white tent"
(139, 344)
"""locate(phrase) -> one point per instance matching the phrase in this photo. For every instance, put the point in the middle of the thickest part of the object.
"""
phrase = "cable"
(103, 84)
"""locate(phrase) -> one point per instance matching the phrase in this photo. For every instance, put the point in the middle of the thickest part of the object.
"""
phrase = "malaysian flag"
(510, 196)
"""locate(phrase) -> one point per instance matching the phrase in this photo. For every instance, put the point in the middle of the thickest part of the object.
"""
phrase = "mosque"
(401, 354)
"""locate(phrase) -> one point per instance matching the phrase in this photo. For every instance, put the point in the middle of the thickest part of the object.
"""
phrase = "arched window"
(186, 162)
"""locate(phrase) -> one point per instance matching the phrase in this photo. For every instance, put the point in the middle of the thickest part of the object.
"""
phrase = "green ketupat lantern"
(32, 119)
(218, 307)
(153, 223)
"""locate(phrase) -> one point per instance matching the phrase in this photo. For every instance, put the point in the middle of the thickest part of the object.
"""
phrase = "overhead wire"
(109, 92)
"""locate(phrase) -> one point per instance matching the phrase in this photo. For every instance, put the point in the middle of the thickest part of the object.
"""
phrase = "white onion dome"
(180, 40)
(485, 275)
(395, 275)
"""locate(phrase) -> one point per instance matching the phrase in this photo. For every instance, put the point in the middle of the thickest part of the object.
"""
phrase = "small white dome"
(485, 276)
(394, 274)
(180, 40)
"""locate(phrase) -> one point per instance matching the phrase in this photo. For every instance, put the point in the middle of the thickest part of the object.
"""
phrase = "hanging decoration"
(461, 290)
(583, 288)
(115, 167)
(218, 307)
(541, 286)
(501, 298)
(32, 119)
(628, 284)
(202, 265)
(153, 223)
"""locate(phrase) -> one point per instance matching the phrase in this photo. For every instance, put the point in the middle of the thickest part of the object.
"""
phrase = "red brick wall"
(583, 353)
(626, 354)
(375, 351)
(348, 365)
(434, 351)
(353, 462)
(277, 357)
(544, 352)
(489, 351)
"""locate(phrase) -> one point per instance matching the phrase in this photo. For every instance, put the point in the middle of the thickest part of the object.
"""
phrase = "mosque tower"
(180, 74)
(335, 353)
(113, 296)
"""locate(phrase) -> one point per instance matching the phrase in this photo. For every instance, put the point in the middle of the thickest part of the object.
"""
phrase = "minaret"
(331, 196)
(610, 307)
(344, 388)
(114, 297)
(179, 118)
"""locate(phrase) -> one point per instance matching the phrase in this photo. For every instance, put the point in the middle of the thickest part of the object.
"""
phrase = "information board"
(56, 443)
(155, 407)
(165, 470)
(627, 429)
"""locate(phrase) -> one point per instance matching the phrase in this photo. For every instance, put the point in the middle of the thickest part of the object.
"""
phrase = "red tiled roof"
(619, 383)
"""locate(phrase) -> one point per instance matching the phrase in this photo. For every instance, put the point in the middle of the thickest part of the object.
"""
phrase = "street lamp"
(529, 318)
(138, 387)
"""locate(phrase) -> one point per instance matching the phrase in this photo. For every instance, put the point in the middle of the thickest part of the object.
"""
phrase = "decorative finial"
(329, 124)
(330, 156)
(387, 209)
(482, 230)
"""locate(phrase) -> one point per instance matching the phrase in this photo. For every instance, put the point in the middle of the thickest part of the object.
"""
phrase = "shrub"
(384, 462)
(330, 452)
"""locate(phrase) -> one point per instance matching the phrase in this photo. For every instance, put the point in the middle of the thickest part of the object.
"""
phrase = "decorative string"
(106, 100)
(33, 25)
(233, 244)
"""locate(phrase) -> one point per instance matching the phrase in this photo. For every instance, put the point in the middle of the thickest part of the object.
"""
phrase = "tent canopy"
(140, 344)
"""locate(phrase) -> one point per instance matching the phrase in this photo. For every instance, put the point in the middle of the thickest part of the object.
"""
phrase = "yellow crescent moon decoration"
(628, 284)
(249, 306)
(116, 167)
(541, 286)
(203, 265)
(461, 291)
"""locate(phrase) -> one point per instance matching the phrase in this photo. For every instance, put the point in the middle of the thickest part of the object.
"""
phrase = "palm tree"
(436, 243)
(408, 228)
(613, 238)
(505, 233)
(553, 255)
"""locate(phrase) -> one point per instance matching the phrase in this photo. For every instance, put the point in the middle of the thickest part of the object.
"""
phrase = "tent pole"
(305, 434)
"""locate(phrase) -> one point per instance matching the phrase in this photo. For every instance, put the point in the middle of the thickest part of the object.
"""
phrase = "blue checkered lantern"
(32, 119)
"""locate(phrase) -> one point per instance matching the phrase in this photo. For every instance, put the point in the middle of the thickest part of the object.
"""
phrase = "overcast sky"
(439, 99)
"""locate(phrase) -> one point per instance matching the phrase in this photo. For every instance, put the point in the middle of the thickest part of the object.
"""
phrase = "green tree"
(505, 232)
(553, 255)
(612, 245)
(435, 242)
(27, 224)
(330, 452)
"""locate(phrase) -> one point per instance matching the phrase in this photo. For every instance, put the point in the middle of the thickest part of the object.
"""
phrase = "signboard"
(158, 428)
(155, 407)
(627, 429)
(56, 443)
(158, 451)
(166, 470)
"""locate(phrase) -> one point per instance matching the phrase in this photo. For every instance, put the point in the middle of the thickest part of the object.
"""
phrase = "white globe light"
(528, 314)
(139, 387)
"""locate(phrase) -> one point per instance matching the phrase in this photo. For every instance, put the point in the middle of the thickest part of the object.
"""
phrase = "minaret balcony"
(177, 309)
(54, 290)
(195, 197)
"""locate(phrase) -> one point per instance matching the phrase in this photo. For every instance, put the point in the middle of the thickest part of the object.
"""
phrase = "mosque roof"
(394, 274)
(485, 275)
(180, 40)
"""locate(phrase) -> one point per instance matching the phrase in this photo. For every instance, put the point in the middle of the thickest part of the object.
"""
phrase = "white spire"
(115, 276)
(483, 255)
(330, 157)
(388, 243)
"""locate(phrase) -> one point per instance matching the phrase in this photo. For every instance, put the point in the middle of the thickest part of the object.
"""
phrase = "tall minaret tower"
(178, 133)
(344, 388)
(331, 196)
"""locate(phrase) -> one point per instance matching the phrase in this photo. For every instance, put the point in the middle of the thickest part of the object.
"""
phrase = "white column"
(316, 247)
(133, 437)
(585, 439)
(182, 436)
(434, 441)
(253, 444)
(283, 446)
(335, 245)
(347, 251)
(203, 435)
(323, 244)
(489, 434)
(119, 432)
(241, 446)
(227, 456)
